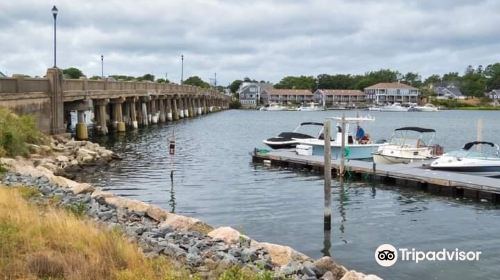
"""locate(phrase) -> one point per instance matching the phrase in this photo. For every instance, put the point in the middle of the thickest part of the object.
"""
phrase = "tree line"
(474, 81)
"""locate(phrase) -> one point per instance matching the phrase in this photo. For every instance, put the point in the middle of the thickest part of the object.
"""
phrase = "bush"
(16, 132)
(235, 104)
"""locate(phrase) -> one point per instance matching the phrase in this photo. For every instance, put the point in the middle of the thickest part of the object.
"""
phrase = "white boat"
(395, 107)
(483, 161)
(312, 107)
(273, 107)
(306, 130)
(374, 108)
(427, 108)
(357, 146)
(408, 144)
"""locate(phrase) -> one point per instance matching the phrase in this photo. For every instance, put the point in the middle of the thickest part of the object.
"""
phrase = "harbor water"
(215, 180)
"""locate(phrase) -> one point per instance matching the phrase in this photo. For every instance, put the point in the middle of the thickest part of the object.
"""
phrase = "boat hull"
(385, 159)
(474, 166)
(352, 152)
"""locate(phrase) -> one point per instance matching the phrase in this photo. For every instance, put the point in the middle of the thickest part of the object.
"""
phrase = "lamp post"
(182, 69)
(102, 66)
(54, 14)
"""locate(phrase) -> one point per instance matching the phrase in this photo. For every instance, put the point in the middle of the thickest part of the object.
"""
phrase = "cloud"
(263, 39)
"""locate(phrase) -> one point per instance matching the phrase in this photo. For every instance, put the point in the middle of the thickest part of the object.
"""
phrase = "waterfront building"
(447, 91)
(340, 98)
(287, 96)
(383, 93)
(250, 93)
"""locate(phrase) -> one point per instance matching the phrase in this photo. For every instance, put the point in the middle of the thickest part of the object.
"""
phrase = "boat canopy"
(311, 123)
(417, 129)
(471, 144)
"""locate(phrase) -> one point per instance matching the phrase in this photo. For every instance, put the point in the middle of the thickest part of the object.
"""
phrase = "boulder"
(157, 213)
(281, 255)
(228, 234)
(328, 276)
(99, 193)
(372, 277)
(353, 275)
(62, 158)
(179, 222)
(84, 155)
(325, 264)
(130, 204)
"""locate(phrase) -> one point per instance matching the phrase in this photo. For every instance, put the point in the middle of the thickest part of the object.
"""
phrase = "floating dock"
(412, 174)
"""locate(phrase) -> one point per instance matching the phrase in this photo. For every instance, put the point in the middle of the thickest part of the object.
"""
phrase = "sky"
(260, 39)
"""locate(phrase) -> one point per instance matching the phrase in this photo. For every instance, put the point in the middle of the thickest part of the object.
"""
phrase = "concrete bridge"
(115, 103)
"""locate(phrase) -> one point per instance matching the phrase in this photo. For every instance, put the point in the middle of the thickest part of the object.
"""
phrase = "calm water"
(214, 180)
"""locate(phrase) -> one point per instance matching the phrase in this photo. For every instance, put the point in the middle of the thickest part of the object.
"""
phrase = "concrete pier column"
(181, 108)
(169, 109)
(175, 111)
(81, 127)
(198, 104)
(118, 114)
(126, 113)
(154, 117)
(186, 110)
(163, 116)
(144, 109)
(204, 104)
(101, 116)
(133, 112)
(193, 105)
(189, 100)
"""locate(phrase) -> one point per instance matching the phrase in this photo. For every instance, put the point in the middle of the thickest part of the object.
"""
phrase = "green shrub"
(16, 132)
(235, 104)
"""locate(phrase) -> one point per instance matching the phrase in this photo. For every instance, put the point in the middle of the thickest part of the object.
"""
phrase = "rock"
(326, 264)
(353, 275)
(248, 255)
(173, 251)
(228, 234)
(84, 155)
(184, 223)
(80, 188)
(290, 268)
(157, 213)
(130, 204)
(193, 259)
(62, 158)
(309, 269)
(371, 277)
(281, 255)
(328, 276)
(106, 215)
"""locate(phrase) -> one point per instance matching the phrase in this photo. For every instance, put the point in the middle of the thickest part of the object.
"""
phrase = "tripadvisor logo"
(387, 255)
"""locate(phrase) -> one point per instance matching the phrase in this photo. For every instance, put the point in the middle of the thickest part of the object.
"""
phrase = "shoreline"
(157, 231)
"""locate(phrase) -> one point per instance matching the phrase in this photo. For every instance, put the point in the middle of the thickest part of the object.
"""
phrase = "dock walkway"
(413, 172)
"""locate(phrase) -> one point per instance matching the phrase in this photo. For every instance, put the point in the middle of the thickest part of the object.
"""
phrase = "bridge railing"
(21, 84)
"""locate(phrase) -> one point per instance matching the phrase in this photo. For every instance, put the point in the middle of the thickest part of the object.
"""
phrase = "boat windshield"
(411, 138)
(310, 128)
(477, 152)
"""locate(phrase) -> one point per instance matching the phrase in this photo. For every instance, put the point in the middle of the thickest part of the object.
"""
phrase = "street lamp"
(102, 66)
(54, 14)
(182, 69)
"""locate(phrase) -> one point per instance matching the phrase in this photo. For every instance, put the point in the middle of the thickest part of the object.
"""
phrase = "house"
(383, 93)
(494, 94)
(340, 97)
(286, 96)
(447, 91)
(250, 93)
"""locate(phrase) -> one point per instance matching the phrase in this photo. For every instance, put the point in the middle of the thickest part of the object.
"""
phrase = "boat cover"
(471, 144)
(417, 129)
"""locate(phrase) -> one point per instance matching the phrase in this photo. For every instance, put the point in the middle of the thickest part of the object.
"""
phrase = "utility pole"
(182, 69)
(102, 66)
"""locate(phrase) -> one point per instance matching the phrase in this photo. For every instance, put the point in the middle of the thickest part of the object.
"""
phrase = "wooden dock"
(413, 174)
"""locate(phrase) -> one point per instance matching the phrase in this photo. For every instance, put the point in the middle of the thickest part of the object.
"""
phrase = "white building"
(250, 93)
(388, 93)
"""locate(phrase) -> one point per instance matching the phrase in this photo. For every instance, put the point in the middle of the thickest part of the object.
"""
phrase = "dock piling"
(328, 177)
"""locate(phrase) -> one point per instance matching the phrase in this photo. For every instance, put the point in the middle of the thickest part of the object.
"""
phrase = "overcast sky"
(262, 39)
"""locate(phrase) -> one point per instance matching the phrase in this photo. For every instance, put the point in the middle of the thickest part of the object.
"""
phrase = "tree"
(122, 78)
(73, 73)
(302, 82)
(338, 81)
(196, 81)
(492, 74)
(451, 77)
(413, 79)
(95, 78)
(473, 83)
(235, 85)
(432, 79)
(374, 77)
(147, 77)
(162, 80)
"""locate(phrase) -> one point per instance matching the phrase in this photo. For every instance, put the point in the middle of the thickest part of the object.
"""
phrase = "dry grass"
(48, 243)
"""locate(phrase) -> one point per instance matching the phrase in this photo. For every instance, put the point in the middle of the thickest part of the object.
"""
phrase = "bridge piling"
(144, 108)
(181, 108)
(81, 127)
(162, 109)
(133, 112)
(175, 110)
(169, 109)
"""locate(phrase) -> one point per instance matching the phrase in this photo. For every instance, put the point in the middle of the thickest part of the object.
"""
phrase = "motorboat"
(273, 107)
(427, 108)
(311, 107)
(395, 107)
(357, 145)
(374, 108)
(290, 139)
(484, 160)
(408, 144)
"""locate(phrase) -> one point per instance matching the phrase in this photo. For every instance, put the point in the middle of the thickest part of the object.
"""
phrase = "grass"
(49, 243)
(16, 132)
(44, 242)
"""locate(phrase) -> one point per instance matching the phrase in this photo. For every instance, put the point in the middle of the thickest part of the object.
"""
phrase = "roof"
(352, 92)
(390, 85)
(275, 91)
(448, 90)
(2, 75)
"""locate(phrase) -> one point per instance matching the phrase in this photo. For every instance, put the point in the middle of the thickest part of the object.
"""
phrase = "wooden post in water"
(479, 133)
(342, 148)
(328, 176)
